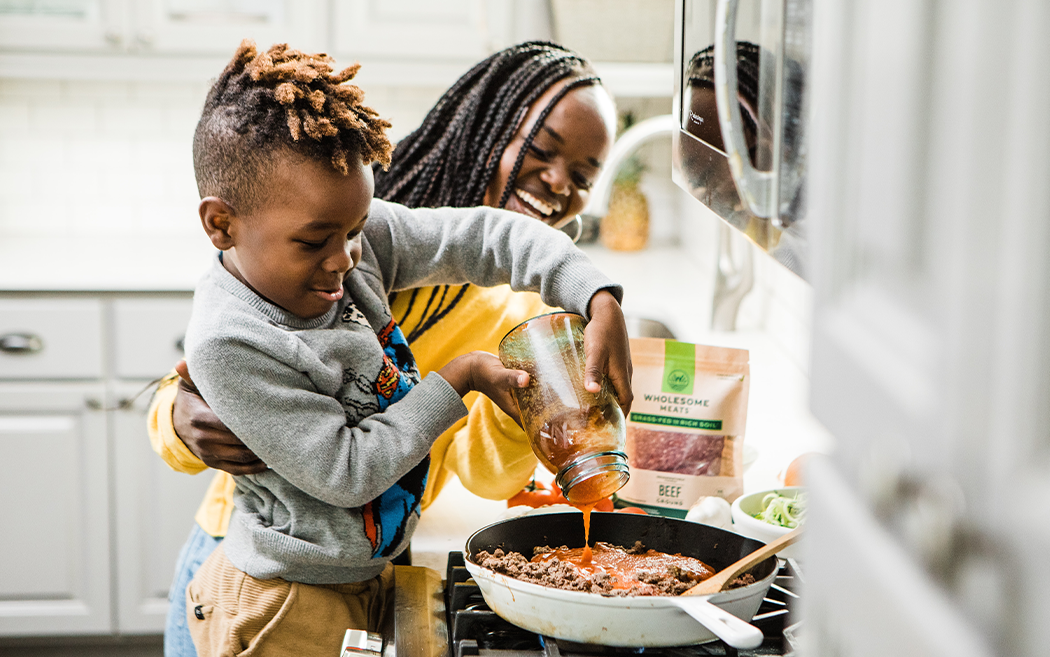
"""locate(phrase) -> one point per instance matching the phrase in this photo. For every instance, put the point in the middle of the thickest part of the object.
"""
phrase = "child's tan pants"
(231, 613)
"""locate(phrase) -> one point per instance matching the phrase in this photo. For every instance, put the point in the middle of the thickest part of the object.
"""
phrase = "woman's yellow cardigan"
(486, 450)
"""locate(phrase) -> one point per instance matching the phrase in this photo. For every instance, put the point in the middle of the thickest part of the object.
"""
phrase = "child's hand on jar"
(483, 372)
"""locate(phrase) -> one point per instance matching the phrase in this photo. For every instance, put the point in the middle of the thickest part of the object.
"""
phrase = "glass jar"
(577, 435)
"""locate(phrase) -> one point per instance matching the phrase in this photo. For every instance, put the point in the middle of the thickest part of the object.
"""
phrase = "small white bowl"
(745, 524)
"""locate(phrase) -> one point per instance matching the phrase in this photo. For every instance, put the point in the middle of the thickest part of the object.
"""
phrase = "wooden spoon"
(719, 580)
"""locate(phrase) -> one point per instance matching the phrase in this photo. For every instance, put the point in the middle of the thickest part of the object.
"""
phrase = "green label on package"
(679, 367)
(688, 423)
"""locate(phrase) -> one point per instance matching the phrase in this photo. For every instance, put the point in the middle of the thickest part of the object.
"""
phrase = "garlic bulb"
(711, 510)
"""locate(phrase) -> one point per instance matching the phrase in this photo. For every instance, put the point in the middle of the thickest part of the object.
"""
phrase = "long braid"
(452, 157)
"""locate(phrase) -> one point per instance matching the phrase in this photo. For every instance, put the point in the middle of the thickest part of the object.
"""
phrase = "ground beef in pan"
(562, 574)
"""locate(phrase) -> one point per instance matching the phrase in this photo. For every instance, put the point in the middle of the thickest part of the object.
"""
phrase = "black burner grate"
(476, 630)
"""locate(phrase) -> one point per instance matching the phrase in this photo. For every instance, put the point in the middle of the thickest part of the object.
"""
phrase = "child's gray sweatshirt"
(314, 399)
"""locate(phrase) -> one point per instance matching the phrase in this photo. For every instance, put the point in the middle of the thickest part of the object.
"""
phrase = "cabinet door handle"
(20, 343)
(123, 404)
(146, 37)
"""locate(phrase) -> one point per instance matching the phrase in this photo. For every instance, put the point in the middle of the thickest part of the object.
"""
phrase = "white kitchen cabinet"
(148, 334)
(54, 480)
(419, 29)
(457, 29)
(930, 350)
(402, 43)
(154, 508)
(152, 27)
(415, 43)
(91, 545)
(50, 338)
(216, 27)
(68, 25)
(153, 505)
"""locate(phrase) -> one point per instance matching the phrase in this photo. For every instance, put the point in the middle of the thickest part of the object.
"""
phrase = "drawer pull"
(20, 343)
(123, 404)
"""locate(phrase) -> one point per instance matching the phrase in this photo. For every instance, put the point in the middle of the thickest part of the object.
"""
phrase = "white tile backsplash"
(33, 89)
(112, 216)
(139, 120)
(66, 118)
(106, 91)
(81, 184)
(781, 305)
(182, 119)
(166, 91)
(113, 155)
(16, 183)
(165, 152)
(14, 117)
(82, 157)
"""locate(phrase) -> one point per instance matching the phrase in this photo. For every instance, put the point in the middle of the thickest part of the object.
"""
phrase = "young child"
(293, 345)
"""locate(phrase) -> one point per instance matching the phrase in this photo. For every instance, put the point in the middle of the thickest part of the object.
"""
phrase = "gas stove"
(475, 630)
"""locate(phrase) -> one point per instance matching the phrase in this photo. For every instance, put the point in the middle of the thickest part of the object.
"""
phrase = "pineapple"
(626, 226)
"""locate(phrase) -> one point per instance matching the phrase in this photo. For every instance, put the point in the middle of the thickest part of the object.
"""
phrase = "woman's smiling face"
(564, 158)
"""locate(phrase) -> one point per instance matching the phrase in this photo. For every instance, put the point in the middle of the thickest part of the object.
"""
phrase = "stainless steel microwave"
(740, 103)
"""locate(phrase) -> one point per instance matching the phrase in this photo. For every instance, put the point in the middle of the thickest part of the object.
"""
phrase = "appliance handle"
(755, 187)
(727, 627)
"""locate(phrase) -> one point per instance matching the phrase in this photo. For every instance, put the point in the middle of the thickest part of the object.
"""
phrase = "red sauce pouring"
(584, 496)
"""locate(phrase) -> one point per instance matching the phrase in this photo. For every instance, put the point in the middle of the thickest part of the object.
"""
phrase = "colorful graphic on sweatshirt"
(398, 373)
(351, 315)
(386, 517)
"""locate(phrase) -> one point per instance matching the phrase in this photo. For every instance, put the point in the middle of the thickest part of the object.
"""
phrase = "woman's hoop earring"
(579, 229)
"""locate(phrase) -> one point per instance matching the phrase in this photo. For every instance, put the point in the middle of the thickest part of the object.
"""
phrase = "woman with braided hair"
(526, 129)
(483, 141)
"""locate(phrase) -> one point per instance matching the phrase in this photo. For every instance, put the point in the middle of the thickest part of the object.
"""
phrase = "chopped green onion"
(782, 510)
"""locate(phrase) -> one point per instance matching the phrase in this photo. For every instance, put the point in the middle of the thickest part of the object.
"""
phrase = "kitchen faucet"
(734, 276)
(630, 141)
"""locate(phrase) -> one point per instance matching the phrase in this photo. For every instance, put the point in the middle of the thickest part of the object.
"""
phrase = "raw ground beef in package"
(685, 432)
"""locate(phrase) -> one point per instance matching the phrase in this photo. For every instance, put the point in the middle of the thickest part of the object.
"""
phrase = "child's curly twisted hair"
(280, 100)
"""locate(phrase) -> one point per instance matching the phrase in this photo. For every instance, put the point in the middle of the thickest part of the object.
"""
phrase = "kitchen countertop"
(100, 263)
